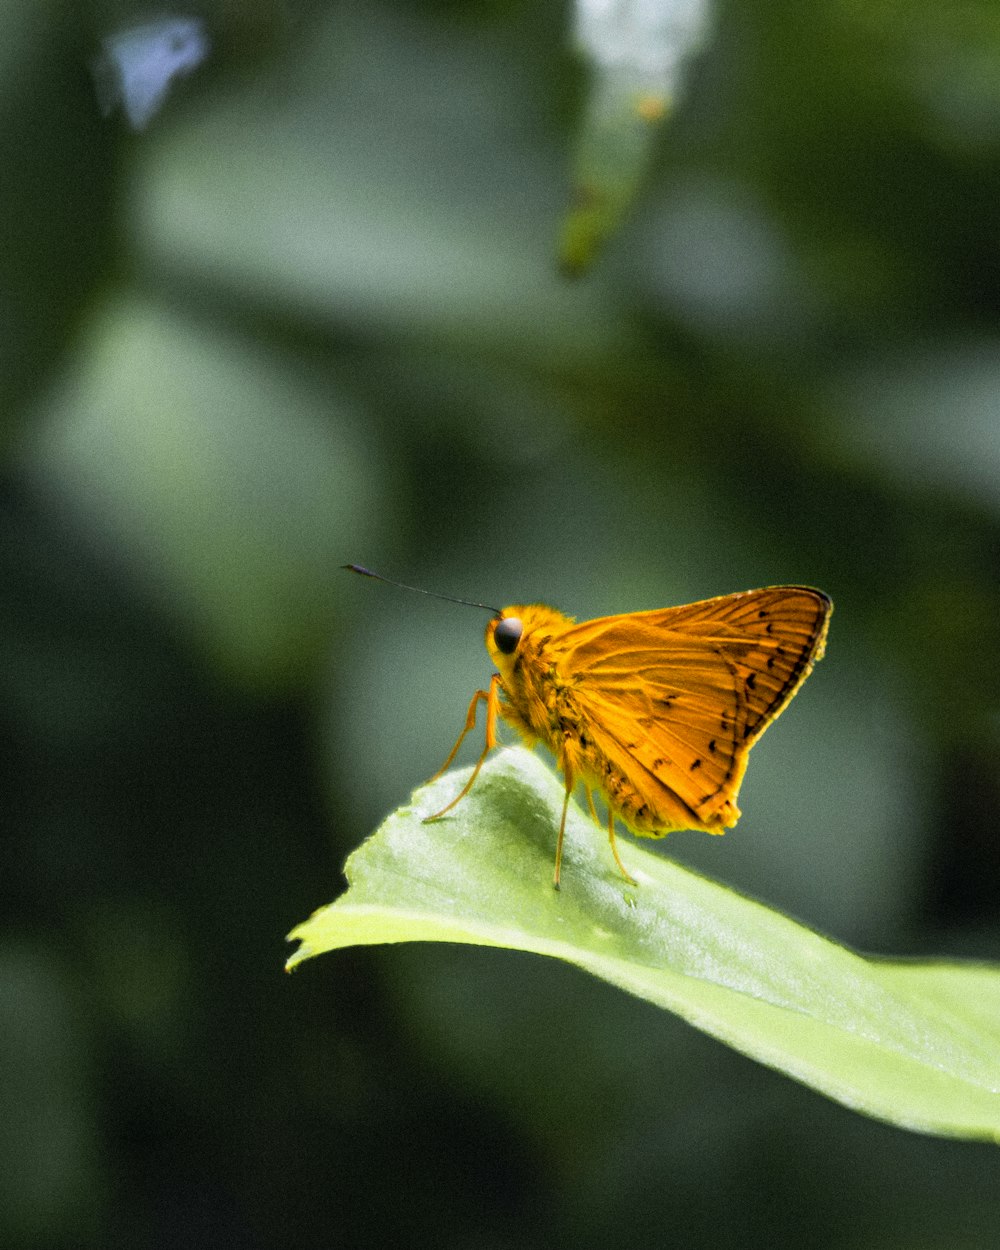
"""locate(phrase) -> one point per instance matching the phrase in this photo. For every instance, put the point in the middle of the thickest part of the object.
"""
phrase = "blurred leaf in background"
(312, 314)
(636, 51)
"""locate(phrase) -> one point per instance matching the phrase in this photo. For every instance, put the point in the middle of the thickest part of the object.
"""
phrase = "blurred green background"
(312, 314)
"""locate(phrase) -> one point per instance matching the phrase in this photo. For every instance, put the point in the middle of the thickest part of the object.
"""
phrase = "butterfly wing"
(672, 700)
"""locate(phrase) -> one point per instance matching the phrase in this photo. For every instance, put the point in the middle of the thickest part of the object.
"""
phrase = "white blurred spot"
(646, 40)
(137, 65)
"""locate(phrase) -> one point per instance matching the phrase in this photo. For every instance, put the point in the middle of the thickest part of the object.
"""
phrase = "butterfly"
(654, 711)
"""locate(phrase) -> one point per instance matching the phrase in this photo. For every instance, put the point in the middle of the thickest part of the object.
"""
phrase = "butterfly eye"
(508, 634)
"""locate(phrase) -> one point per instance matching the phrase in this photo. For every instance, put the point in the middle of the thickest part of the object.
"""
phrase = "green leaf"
(917, 1044)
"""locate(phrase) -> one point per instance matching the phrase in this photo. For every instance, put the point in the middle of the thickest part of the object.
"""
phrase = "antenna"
(357, 568)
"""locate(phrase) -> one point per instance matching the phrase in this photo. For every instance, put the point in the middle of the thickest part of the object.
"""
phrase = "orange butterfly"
(656, 711)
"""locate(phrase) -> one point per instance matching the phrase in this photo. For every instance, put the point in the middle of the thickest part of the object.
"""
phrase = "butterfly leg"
(570, 783)
(614, 849)
(611, 835)
(470, 723)
(492, 704)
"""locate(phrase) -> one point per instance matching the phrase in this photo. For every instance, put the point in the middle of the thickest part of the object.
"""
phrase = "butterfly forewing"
(681, 694)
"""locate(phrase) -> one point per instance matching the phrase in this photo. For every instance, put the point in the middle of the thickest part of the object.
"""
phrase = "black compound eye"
(508, 634)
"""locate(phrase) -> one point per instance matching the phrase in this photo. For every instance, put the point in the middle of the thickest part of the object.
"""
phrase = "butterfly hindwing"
(677, 736)
(675, 698)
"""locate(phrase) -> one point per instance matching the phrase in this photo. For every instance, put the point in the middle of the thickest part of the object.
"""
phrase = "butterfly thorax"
(539, 697)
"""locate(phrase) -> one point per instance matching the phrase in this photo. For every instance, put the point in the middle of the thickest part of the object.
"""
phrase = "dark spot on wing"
(696, 764)
(751, 681)
(711, 746)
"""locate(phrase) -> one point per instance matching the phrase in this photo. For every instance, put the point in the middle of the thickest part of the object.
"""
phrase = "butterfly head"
(503, 637)
(520, 626)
